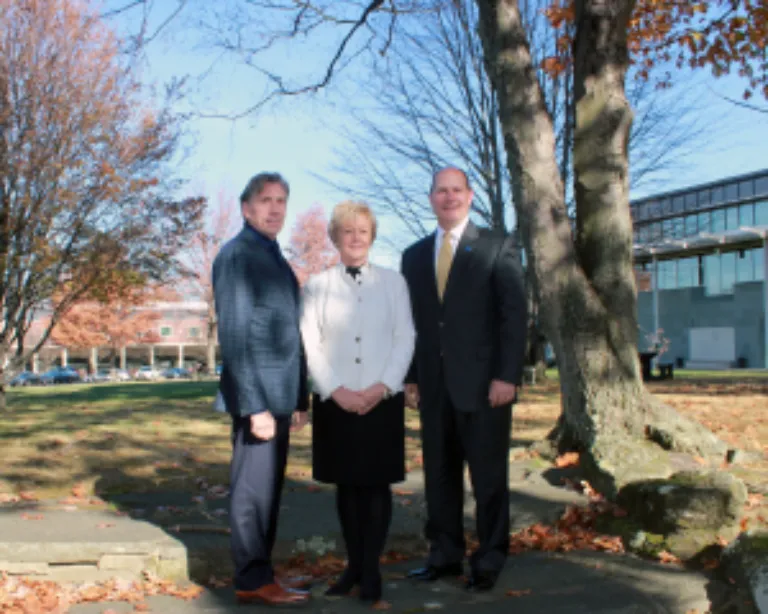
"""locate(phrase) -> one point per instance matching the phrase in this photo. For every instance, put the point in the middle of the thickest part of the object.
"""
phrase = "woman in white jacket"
(359, 338)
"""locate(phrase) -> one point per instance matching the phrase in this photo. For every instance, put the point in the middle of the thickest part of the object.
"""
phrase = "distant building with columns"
(179, 339)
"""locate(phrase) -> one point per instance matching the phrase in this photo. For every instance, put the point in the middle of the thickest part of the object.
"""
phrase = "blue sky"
(298, 136)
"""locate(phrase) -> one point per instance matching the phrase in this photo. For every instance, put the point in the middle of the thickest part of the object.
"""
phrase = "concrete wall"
(686, 308)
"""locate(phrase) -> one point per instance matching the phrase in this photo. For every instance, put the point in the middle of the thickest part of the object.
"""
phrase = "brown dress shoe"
(274, 595)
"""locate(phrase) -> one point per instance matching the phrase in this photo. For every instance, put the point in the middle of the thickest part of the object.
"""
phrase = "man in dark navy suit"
(469, 309)
(263, 382)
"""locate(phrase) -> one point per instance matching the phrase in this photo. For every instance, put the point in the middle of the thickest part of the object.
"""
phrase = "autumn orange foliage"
(85, 159)
(118, 320)
(723, 35)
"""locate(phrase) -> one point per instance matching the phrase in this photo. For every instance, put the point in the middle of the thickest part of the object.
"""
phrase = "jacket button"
(357, 360)
(357, 339)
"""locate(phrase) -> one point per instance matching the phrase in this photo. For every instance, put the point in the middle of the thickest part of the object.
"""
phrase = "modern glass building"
(701, 262)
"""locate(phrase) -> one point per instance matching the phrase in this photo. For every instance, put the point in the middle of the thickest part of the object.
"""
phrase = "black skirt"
(358, 450)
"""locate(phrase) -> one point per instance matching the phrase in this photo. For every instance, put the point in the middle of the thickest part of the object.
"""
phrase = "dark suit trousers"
(256, 482)
(481, 439)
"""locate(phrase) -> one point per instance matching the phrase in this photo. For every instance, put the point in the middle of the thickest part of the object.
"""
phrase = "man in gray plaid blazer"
(263, 381)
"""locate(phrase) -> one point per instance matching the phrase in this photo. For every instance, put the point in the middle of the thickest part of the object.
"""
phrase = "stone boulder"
(746, 561)
(690, 509)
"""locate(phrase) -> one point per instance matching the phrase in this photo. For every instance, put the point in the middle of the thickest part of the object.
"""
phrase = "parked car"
(101, 376)
(177, 373)
(147, 373)
(26, 378)
(119, 375)
(60, 375)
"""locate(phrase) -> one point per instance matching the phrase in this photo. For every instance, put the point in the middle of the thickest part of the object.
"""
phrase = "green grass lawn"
(128, 437)
(149, 437)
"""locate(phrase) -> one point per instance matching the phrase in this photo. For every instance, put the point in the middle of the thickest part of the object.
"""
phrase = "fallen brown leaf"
(381, 605)
(26, 516)
(518, 593)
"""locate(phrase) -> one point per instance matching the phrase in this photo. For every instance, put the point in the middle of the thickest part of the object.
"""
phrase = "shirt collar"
(455, 233)
(364, 270)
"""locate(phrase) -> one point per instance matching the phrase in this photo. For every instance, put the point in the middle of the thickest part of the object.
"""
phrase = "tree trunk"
(585, 290)
(211, 353)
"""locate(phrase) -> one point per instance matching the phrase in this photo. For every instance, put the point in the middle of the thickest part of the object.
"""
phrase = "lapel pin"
(468, 248)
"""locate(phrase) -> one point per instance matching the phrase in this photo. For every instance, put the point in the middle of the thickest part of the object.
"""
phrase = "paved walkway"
(71, 544)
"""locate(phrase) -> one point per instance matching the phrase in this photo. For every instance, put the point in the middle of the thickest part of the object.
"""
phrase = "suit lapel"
(428, 274)
(288, 285)
(461, 259)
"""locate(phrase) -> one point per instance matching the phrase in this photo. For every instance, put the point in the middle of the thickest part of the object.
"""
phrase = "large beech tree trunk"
(585, 286)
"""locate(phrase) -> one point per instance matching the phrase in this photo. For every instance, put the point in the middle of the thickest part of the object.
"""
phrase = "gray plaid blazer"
(257, 308)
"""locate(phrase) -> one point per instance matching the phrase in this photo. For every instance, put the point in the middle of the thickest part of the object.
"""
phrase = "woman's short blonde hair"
(345, 210)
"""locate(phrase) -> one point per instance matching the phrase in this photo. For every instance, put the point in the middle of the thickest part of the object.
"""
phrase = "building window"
(678, 228)
(727, 272)
(717, 195)
(690, 202)
(732, 218)
(718, 221)
(761, 213)
(712, 274)
(667, 274)
(193, 333)
(732, 192)
(761, 186)
(704, 222)
(746, 215)
(745, 270)
(166, 331)
(688, 272)
(704, 199)
(745, 189)
(678, 204)
(667, 231)
(758, 258)
(691, 226)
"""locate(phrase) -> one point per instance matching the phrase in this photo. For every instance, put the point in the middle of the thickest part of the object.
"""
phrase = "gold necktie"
(444, 260)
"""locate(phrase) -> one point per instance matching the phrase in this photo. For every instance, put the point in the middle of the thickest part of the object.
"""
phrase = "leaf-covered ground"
(87, 440)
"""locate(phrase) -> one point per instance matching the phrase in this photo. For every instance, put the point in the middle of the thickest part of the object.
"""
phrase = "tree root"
(669, 429)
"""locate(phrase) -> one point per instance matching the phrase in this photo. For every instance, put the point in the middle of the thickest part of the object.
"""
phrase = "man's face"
(450, 198)
(265, 211)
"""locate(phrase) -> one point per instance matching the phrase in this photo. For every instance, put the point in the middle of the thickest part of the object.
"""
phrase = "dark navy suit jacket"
(257, 308)
(477, 333)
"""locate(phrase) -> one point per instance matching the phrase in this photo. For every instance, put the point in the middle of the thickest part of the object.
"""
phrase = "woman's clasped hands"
(361, 401)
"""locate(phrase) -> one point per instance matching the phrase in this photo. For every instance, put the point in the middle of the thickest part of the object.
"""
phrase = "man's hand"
(372, 395)
(412, 395)
(501, 393)
(299, 420)
(348, 400)
(263, 425)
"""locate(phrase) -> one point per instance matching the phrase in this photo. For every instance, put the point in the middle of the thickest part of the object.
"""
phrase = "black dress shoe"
(430, 573)
(481, 581)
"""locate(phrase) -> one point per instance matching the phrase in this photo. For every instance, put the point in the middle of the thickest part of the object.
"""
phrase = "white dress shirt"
(357, 332)
(454, 236)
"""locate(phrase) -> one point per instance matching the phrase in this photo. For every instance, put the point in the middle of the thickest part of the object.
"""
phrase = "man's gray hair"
(258, 182)
(448, 168)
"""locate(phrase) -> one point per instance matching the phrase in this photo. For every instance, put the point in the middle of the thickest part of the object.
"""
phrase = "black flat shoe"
(481, 582)
(370, 592)
(343, 586)
(430, 573)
